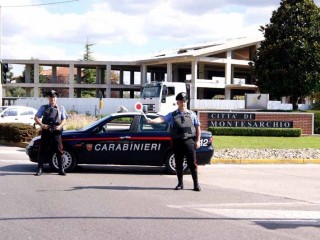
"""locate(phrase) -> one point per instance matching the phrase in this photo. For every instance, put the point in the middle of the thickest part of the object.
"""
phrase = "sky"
(123, 29)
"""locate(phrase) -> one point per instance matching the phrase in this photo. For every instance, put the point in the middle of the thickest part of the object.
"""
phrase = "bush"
(316, 124)
(17, 132)
(271, 132)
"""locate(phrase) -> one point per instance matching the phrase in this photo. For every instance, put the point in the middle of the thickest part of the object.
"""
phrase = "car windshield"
(92, 124)
(151, 91)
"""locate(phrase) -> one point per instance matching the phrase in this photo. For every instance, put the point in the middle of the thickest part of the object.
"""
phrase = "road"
(112, 202)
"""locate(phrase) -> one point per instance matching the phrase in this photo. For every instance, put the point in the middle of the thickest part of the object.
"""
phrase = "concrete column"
(98, 75)
(121, 76)
(143, 73)
(194, 77)
(169, 72)
(36, 79)
(78, 75)
(132, 77)
(227, 94)
(71, 80)
(54, 74)
(78, 78)
(27, 74)
(228, 69)
(108, 80)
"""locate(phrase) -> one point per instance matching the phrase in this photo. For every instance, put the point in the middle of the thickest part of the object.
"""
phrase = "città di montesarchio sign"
(228, 119)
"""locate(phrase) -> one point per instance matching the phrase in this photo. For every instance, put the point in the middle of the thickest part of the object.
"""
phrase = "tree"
(288, 60)
(89, 75)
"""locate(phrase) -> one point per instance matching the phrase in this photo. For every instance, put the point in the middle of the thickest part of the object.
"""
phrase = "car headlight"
(31, 143)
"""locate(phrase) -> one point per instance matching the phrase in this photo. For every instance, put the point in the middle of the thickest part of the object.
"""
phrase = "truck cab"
(160, 97)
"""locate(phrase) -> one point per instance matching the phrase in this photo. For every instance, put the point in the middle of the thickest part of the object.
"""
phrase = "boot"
(40, 172)
(61, 170)
(180, 180)
(196, 186)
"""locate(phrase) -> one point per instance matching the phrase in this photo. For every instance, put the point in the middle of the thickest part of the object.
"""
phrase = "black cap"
(52, 93)
(182, 96)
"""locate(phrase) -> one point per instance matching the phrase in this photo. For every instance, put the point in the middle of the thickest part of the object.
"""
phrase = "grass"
(76, 121)
(225, 142)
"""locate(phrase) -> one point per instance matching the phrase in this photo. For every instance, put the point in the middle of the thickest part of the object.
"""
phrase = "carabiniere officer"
(52, 122)
(185, 131)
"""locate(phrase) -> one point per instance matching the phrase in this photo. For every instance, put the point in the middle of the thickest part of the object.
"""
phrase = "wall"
(83, 105)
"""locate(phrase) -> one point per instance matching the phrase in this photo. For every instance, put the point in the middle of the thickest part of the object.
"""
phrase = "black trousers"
(184, 148)
(50, 142)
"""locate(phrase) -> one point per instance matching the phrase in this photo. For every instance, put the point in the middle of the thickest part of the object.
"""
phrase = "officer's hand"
(58, 127)
(45, 126)
(197, 145)
(149, 120)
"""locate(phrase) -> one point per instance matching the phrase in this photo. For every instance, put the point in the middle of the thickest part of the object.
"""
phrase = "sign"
(251, 124)
(228, 115)
(243, 120)
(138, 106)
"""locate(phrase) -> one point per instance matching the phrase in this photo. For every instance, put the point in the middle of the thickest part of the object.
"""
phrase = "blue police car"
(121, 139)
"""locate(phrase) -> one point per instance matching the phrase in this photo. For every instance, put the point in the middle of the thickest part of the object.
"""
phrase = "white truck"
(160, 97)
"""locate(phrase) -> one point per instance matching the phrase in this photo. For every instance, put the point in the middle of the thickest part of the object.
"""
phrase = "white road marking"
(14, 161)
(258, 211)
(261, 214)
(12, 152)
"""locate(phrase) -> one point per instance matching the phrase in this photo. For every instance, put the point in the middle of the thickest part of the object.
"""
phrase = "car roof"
(133, 114)
(19, 107)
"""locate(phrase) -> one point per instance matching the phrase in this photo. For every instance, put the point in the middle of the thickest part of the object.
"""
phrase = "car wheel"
(171, 164)
(68, 158)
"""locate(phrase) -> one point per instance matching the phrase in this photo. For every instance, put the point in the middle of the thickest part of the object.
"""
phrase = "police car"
(121, 139)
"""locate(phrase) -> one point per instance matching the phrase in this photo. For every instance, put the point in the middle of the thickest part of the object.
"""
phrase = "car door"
(149, 143)
(109, 145)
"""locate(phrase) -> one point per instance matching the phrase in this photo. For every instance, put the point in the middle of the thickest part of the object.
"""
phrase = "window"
(11, 112)
(145, 127)
(26, 112)
(119, 124)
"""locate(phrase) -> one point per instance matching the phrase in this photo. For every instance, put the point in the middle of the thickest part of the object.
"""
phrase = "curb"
(265, 161)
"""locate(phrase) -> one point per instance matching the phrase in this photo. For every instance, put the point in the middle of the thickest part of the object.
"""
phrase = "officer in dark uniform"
(53, 119)
(185, 131)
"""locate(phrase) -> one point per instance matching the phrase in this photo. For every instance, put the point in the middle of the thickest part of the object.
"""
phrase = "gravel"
(305, 153)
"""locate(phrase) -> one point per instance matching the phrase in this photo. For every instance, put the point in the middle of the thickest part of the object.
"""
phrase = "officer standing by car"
(185, 131)
(52, 122)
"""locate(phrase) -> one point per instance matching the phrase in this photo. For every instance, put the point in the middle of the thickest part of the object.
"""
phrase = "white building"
(215, 71)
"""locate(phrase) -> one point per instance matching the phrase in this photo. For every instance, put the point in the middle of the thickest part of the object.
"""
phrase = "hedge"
(272, 132)
(17, 132)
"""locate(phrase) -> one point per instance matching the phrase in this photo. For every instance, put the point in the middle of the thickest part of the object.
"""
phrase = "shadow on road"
(19, 169)
(121, 188)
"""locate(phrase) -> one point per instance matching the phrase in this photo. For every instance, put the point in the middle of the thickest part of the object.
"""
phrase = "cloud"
(125, 27)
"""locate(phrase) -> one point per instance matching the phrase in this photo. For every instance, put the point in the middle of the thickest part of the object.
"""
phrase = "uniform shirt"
(169, 118)
(62, 111)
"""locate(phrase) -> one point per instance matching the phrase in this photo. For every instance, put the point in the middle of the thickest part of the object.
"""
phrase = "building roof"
(206, 48)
